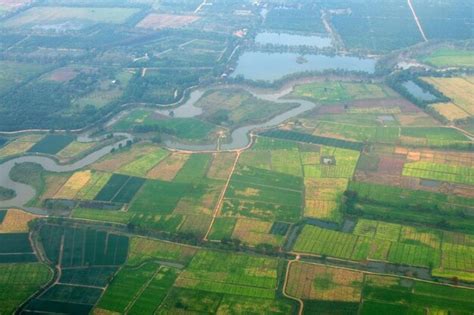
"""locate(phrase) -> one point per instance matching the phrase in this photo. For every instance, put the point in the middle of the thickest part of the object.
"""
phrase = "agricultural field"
(459, 90)
(441, 172)
(354, 195)
(19, 145)
(450, 57)
(19, 281)
(77, 17)
(347, 291)
(16, 221)
(51, 144)
(142, 249)
(161, 21)
(394, 243)
(83, 246)
(235, 274)
(342, 92)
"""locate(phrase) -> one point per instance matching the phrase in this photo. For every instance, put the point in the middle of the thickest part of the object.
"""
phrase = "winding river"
(240, 138)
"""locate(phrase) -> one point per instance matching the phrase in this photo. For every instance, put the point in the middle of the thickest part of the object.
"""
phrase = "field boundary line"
(287, 275)
(221, 197)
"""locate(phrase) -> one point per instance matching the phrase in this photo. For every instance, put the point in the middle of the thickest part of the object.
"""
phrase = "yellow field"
(315, 282)
(73, 185)
(450, 111)
(459, 89)
(255, 232)
(20, 145)
(169, 167)
(16, 221)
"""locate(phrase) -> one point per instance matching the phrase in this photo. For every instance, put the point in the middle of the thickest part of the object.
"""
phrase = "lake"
(273, 66)
(292, 40)
(415, 90)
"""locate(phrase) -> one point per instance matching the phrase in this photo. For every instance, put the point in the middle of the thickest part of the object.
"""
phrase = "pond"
(273, 66)
(292, 39)
(415, 90)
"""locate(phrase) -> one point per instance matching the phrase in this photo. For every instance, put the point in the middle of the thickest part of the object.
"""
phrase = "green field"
(20, 281)
(340, 92)
(38, 16)
(230, 273)
(126, 285)
(450, 57)
(441, 172)
(394, 243)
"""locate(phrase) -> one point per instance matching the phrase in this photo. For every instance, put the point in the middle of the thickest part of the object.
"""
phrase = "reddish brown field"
(390, 165)
(63, 75)
(160, 21)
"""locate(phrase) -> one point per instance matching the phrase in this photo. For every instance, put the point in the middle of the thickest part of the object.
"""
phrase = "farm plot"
(80, 17)
(87, 276)
(143, 249)
(450, 111)
(194, 169)
(16, 248)
(235, 274)
(222, 228)
(158, 197)
(458, 89)
(160, 21)
(323, 198)
(433, 137)
(120, 188)
(141, 166)
(128, 285)
(19, 281)
(263, 194)
(341, 92)
(441, 172)
(393, 294)
(254, 232)
(113, 162)
(315, 240)
(317, 282)
(65, 298)
(450, 57)
(168, 168)
(15, 221)
(221, 165)
(51, 144)
(307, 138)
(73, 185)
(83, 246)
(95, 184)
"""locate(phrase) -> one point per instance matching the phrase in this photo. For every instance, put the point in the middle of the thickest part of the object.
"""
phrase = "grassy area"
(450, 57)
